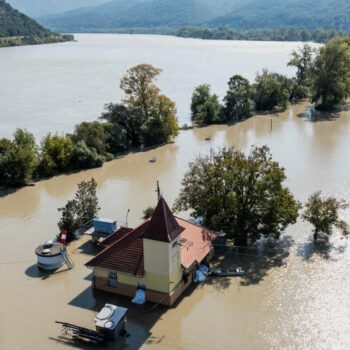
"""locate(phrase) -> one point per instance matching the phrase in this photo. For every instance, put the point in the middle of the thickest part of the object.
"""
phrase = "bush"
(83, 157)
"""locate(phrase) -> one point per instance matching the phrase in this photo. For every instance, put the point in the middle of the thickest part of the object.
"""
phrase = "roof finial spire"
(158, 191)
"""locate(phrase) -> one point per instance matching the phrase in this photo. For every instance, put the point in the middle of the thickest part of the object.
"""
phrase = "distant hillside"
(18, 29)
(38, 8)
(240, 15)
(140, 14)
(308, 14)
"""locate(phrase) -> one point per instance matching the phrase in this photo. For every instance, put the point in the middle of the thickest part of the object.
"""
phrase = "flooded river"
(294, 296)
(50, 88)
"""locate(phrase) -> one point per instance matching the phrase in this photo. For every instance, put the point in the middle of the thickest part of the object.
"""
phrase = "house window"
(112, 279)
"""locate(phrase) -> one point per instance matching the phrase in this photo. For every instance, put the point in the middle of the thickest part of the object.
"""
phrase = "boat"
(208, 138)
(153, 160)
(232, 271)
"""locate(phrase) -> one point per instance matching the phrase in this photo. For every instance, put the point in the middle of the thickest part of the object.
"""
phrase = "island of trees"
(245, 197)
(145, 117)
(17, 29)
(323, 76)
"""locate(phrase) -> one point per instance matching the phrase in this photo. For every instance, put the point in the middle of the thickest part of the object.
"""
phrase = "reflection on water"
(294, 296)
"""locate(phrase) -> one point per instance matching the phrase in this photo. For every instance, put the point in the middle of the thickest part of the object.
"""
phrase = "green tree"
(146, 115)
(131, 120)
(93, 134)
(79, 211)
(69, 221)
(241, 195)
(331, 73)
(56, 154)
(238, 100)
(302, 60)
(87, 201)
(162, 126)
(323, 214)
(270, 91)
(84, 158)
(140, 89)
(18, 162)
(116, 139)
(148, 212)
(205, 106)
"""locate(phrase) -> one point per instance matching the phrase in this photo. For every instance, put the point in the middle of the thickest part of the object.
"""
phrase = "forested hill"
(19, 29)
(38, 8)
(308, 14)
(15, 23)
(140, 14)
(236, 14)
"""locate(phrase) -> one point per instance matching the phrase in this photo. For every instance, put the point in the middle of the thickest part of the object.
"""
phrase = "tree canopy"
(238, 102)
(205, 106)
(323, 214)
(241, 195)
(80, 210)
(331, 73)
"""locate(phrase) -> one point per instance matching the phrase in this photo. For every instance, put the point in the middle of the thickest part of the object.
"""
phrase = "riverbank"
(279, 304)
(34, 40)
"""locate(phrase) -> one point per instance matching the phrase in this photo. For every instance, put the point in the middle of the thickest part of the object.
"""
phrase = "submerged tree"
(331, 73)
(82, 209)
(18, 159)
(205, 106)
(146, 116)
(148, 212)
(323, 214)
(270, 91)
(241, 195)
(238, 100)
(302, 60)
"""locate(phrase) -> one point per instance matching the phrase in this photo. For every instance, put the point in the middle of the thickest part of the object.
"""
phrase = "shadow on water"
(140, 319)
(323, 248)
(7, 191)
(314, 115)
(34, 272)
(256, 260)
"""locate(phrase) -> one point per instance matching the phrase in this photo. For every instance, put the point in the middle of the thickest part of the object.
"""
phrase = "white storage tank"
(50, 255)
(111, 320)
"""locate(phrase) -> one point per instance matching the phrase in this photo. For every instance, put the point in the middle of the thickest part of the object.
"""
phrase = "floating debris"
(153, 160)
(208, 138)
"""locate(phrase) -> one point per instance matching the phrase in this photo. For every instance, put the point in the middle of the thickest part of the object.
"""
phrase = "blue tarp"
(140, 297)
(200, 276)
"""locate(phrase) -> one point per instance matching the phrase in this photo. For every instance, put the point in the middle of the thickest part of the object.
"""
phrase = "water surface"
(294, 296)
(50, 88)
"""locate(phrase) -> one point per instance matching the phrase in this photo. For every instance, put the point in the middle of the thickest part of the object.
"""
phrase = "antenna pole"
(158, 191)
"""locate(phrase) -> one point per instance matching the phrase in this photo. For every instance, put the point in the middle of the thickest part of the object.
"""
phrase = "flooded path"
(294, 297)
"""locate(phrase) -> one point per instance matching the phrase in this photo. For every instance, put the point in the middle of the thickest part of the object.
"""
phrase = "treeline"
(145, 117)
(323, 76)
(274, 34)
(34, 40)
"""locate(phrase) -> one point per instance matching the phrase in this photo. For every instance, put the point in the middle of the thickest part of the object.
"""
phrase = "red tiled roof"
(196, 243)
(124, 248)
(163, 226)
(125, 255)
(114, 237)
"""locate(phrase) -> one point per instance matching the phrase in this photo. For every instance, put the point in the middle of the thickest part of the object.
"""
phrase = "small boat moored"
(232, 271)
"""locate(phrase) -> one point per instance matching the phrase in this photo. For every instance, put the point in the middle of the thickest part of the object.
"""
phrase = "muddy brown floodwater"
(294, 296)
